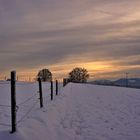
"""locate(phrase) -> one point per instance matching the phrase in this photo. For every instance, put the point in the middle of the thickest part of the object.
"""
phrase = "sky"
(102, 36)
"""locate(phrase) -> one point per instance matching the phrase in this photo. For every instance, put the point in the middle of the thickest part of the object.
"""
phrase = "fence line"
(24, 116)
(26, 83)
(47, 95)
(27, 100)
(4, 124)
(16, 107)
(5, 106)
(6, 83)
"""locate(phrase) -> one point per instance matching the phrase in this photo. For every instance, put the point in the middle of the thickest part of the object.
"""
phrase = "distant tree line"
(77, 75)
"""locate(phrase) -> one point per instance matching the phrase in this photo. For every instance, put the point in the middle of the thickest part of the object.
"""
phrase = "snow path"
(93, 116)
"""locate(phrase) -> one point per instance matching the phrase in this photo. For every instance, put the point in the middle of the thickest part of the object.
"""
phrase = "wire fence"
(5, 115)
(5, 106)
(28, 96)
(4, 124)
(27, 100)
(27, 112)
(4, 83)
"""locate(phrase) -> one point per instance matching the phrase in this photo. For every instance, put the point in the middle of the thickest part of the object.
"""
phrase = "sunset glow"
(101, 36)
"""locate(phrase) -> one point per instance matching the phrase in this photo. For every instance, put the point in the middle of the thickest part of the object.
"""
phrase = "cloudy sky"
(100, 35)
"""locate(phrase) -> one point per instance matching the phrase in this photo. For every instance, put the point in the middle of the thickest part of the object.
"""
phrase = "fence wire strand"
(24, 116)
(31, 98)
(27, 100)
(24, 84)
(3, 124)
(5, 106)
(5, 83)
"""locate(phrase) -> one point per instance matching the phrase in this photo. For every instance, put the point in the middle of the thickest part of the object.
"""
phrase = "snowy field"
(80, 112)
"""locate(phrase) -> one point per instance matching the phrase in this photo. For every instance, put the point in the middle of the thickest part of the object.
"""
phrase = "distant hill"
(131, 82)
(102, 82)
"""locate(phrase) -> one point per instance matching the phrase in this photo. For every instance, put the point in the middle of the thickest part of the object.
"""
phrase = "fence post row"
(40, 92)
(56, 87)
(13, 97)
(51, 90)
(13, 101)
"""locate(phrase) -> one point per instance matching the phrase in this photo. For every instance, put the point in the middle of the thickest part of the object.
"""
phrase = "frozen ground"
(80, 112)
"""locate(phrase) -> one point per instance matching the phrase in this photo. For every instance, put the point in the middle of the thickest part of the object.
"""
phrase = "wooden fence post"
(56, 87)
(13, 101)
(51, 90)
(40, 92)
(64, 82)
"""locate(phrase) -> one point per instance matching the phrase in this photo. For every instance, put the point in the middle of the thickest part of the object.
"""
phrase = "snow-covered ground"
(80, 112)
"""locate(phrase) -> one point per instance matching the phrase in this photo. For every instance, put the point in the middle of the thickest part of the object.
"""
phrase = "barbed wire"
(25, 115)
(5, 105)
(27, 100)
(26, 83)
(46, 93)
(47, 96)
(4, 124)
(35, 101)
(5, 83)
